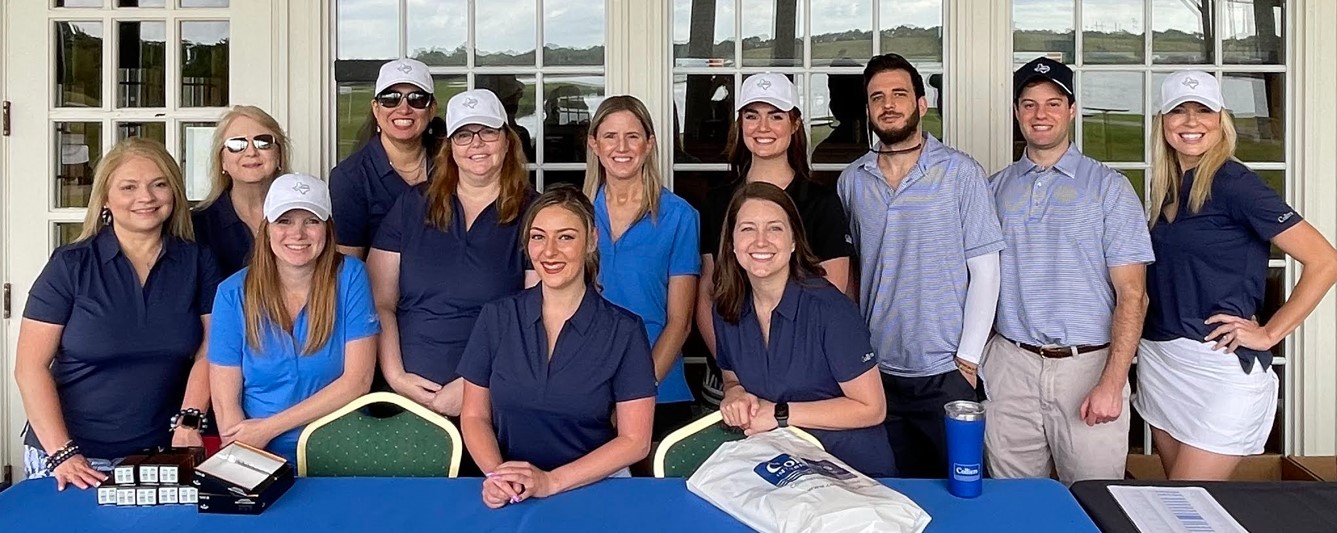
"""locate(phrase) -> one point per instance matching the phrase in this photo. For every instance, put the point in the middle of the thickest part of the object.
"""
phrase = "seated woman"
(794, 349)
(294, 334)
(550, 370)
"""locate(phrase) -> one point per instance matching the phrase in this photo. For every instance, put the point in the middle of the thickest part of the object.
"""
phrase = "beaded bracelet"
(64, 454)
(965, 368)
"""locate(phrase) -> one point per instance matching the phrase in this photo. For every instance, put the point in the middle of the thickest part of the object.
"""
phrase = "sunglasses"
(466, 137)
(237, 145)
(417, 99)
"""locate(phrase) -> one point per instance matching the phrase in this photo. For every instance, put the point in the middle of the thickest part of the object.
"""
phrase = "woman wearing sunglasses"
(249, 151)
(396, 156)
(447, 248)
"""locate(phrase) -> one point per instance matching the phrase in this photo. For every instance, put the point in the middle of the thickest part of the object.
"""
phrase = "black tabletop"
(1259, 506)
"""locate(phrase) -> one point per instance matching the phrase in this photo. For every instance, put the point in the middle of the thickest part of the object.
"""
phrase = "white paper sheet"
(1174, 510)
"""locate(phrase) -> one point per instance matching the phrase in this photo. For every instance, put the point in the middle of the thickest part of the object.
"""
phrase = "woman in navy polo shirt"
(1205, 382)
(449, 247)
(648, 244)
(397, 154)
(794, 349)
(294, 334)
(111, 343)
(249, 151)
(548, 371)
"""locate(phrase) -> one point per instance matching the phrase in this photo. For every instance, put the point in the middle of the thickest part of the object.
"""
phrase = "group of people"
(550, 326)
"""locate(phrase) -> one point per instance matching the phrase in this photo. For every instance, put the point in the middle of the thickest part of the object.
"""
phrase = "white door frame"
(5, 465)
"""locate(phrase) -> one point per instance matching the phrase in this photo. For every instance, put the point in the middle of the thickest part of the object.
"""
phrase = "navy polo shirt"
(818, 340)
(126, 352)
(218, 227)
(363, 188)
(1214, 261)
(445, 277)
(550, 411)
(819, 208)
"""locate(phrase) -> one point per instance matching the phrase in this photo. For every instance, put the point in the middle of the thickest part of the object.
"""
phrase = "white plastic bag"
(778, 482)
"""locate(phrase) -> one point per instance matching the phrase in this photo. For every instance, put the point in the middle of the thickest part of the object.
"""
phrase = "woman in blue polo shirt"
(111, 343)
(449, 247)
(1205, 382)
(559, 381)
(294, 334)
(794, 349)
(400, 143)
(648, 244)
(249, 151)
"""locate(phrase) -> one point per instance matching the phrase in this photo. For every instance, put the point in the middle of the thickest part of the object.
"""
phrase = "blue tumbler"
(965, 448)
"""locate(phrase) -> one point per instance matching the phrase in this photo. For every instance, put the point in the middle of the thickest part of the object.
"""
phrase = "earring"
(106, 216)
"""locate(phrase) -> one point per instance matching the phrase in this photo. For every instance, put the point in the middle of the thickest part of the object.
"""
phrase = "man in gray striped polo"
(1073, 297)
(928, 239)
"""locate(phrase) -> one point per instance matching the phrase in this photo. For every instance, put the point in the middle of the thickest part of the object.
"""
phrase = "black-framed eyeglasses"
(417, 99)
(466, 137)
(237, 145)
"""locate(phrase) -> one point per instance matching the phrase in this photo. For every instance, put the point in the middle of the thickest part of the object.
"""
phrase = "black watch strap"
(782, 414)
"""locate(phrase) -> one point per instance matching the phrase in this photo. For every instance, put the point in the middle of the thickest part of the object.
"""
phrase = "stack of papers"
(1174, 510)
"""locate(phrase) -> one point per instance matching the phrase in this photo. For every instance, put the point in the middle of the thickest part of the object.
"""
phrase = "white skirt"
(1203, 398)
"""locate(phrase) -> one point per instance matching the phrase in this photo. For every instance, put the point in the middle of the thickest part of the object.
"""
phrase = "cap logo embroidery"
(470, 102)
(1191, 83)
(765, 85)
(405, 68)
(301, 188)
(1042, 68)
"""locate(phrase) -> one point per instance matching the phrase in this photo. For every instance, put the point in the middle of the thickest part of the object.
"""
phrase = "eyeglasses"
(417, 99)
(466, 137)
(237, 145)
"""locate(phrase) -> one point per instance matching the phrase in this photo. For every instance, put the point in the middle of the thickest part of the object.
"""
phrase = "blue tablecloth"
(613, 505)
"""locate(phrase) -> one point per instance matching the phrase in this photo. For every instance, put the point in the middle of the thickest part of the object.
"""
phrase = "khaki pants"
(1033, 416)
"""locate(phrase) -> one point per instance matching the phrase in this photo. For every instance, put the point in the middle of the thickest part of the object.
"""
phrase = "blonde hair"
(264, 306)
(446, 179)
(219, 181)
(177, 225)
(1167, 177)
(595, 176)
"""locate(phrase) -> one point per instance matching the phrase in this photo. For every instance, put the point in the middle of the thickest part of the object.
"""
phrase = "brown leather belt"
(1057, 352)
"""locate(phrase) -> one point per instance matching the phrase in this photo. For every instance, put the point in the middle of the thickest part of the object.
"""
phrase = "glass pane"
(1254, 32)
(703, 33)
(78, 148)
(568, 103)
(504, 33)
(518, 96)
(141, 64)
(67, 232)
(1275, 439)
(1137, 177)
(772, 33)
(444, 86)
(204, 63)
(912, 29)
(1258, 103)
(703, 113)
(694, 185)
(1182, 32)
(78, 3)
(932, 122)
(574, 177)
(149, 130)
(368, 29)
(573, 32)
(79, 64)
(352, 103)
(1112, 32)
(141, 3)
(842, 32)
(1112, 113)
(437, 32)
(196, 142)
(204, 3)
(1043, 28)
(1276, 179)
(839, 122)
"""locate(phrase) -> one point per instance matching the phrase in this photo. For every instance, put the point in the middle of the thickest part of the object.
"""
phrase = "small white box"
(148, 474)
(124, 475)
(125, 495)
(146, 496)
(188, 495)
(106, 495)
(167, 495)
(169, 474)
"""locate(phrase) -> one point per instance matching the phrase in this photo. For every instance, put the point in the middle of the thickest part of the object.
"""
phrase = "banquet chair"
(685, 449)
(348, 442)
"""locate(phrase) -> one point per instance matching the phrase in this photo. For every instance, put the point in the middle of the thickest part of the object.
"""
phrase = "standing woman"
(396, 156)
(1204, 372)
(648, 244)
(295, 332)
(250, 150)
(560, 386)
(111, 343)
(793, 348)
(449, 247)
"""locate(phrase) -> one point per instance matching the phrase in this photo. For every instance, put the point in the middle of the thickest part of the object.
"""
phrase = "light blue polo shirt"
(635, 270)
(913, 244)
(1065, 227)
(277, 376)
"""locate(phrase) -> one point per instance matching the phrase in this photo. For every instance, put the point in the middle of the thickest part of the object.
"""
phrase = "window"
(549, 91)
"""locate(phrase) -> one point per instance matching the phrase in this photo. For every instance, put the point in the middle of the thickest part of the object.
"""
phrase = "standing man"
(928, 240)
(1073, 297)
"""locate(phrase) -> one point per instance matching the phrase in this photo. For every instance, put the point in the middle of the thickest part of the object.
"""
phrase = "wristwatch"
(782, 414)
(189, 419)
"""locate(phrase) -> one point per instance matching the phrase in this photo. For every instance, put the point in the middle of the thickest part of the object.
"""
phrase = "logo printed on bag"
(785, 469)
(966, 472)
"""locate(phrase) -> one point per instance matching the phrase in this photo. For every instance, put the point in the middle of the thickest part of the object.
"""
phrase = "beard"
(893, 136)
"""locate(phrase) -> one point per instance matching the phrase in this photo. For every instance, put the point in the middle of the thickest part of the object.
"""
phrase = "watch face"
(190, 420)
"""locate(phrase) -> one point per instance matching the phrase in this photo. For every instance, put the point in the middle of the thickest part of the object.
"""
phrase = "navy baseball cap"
(1046, 69)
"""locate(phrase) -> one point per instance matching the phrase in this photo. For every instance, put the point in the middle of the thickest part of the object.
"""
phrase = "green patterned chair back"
(348, 442)
(684, 450)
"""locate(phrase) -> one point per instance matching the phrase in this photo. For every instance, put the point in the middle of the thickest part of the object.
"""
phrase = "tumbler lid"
(965, 410)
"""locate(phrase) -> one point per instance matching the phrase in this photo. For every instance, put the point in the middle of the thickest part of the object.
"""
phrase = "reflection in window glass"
(143, 3)
(204, 3)
(1112, 116)
(1043, 28)
(1138, 179)
(196, 140)
(915, 31)
(1254, 32)
(149, 130)
(1257, 103)
(567, 106)
(1182, 32)
(78, 147)
(367, 29)
(437, 34)
(79, 64)
(504, 33)
(842, 32)
(703, 113)
(141, 64)
(66, 232)
(771, 33)
(518, 95)
(574, 177)
(703, 33)
(573, 32)
(1112, 32)
(204, 63)
(78, 3)
(838, 118)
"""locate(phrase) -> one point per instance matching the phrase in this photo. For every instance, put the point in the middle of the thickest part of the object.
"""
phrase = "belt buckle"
(1058, 352)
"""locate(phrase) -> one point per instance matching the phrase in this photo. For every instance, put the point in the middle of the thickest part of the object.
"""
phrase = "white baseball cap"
(474, 106)
(297, 191)
(771, 88)
(1191, 86)
(405, 70)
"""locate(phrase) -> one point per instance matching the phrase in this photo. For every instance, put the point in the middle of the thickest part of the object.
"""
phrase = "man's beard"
(894, 136)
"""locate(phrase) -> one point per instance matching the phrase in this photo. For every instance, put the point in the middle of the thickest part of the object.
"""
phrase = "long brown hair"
(569, 197)
(446, 179)
(264, 307)
(740, 158)
(651, 180)
(177, 225)
(219, 181)
(1167, 177)
(731, 282)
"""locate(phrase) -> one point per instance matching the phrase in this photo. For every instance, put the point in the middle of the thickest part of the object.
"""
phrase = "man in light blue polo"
(1073, 297)
(928, 239)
